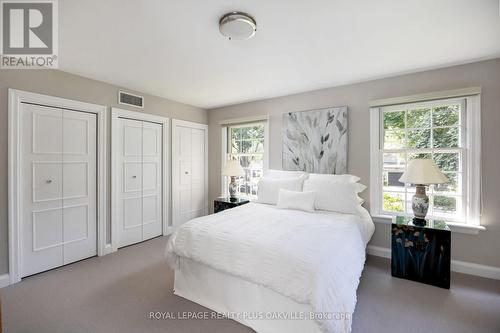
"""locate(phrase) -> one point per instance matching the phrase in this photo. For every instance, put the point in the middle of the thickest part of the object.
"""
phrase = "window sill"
(454, 226)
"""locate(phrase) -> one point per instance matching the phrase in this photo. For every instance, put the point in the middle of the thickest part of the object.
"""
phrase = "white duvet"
(313, 258)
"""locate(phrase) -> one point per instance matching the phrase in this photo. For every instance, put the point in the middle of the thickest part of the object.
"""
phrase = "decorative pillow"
(269, 188)
(334, 196)
(296, 200)
(345, 178)
(271, 173)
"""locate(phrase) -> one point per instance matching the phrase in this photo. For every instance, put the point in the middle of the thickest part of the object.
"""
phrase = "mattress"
(250, 304)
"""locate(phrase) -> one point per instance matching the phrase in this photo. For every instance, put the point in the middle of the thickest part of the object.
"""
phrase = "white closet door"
(79, 142)
(41, 189)
(152, 180)
(58, 192)
(184, 174)
(189, 160)
(130, 181)
(139, 177)
(198, 166)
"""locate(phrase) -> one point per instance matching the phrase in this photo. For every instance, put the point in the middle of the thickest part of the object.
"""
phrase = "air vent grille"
(130, 99)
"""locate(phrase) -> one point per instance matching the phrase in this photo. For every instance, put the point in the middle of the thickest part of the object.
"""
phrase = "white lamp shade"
(423, 171)
(233, 168)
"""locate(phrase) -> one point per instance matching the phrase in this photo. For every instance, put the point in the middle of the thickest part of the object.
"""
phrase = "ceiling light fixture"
(237, 25)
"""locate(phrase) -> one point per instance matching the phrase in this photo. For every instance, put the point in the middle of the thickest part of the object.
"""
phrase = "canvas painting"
(316, 141)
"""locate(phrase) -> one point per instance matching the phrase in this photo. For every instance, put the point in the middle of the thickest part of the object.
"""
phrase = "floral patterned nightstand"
(421, 253)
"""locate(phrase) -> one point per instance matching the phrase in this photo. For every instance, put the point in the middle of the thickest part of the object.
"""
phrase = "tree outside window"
(246, 144)
(434, 131)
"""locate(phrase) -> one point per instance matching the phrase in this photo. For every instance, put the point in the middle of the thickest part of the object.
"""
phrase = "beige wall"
(65, 85)
(483, 248)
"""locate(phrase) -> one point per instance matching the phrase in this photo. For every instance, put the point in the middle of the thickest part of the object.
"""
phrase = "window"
(445, 130)
(246, 143)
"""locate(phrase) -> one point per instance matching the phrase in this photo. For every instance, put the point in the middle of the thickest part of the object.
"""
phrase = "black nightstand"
(221, 204)
(421, 253)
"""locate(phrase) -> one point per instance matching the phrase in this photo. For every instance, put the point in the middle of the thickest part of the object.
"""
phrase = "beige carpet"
(115, 293)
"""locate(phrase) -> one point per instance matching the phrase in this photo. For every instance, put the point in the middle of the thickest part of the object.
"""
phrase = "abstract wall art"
(315, 141)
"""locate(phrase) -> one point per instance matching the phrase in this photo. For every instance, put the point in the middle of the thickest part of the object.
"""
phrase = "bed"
(274, 270)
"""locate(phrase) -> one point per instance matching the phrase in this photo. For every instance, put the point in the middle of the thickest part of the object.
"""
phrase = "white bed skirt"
(246, 302)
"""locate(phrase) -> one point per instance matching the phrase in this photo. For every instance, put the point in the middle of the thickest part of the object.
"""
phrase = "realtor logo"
(29, 34)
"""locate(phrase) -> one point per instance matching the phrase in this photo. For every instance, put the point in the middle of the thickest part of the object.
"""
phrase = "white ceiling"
(173, 49)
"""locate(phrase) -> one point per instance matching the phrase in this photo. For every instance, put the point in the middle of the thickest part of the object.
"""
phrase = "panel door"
(198, 167)
(152, 180)
(184, 174)
(41, 178)
(189, 178)
(79, 173)
(129, 177)
(58, 187)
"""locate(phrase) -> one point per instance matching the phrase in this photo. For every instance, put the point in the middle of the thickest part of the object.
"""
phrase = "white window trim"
(473, 169)
(471, 91)
(225, 124)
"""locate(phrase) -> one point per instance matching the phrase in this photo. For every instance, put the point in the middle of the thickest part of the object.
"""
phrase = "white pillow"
(334, 196)
(296, 200)
(345, 178)
(271, 173)
(269, 188)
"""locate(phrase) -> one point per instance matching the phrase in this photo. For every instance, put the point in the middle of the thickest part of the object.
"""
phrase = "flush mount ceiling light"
(237, 25)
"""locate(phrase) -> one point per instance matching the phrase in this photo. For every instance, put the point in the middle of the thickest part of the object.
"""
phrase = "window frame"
(461, 149)
(470, 136)
(225, 145)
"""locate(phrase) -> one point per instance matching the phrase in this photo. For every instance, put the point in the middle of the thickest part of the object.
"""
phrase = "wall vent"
(126, 98)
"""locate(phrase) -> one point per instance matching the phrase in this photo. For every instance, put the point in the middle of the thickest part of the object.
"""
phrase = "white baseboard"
(108, 249)
(470, 268)
(4, 280)
(169, 231)
(378, 251)
(458, 266)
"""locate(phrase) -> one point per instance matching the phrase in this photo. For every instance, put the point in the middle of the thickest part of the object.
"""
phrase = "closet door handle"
(48, 181)
(186, 172)
(134, 176)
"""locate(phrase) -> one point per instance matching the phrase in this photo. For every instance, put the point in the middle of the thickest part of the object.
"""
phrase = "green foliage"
(447, 204)
(451, 185)
(394, 120)
(447, 161)
(412, 129)
(419, 138)
(446, 137)
(413, 156)
(447, 115)
(394, 139)
(247, 140)
(419, 118)
(392, 204)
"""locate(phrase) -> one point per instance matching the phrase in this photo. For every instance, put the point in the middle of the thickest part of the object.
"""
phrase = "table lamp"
(422, 172)
(233, 169)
